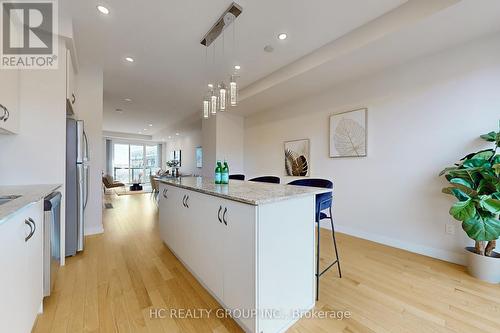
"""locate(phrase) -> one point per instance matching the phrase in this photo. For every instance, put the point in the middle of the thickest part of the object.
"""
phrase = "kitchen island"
(250, 244)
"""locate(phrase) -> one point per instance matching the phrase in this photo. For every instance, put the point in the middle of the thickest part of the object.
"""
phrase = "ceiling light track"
(225, 20)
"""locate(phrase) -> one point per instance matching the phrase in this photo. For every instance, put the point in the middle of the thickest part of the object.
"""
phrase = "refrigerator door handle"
(86, 186)
(87, 154)
(80, 209)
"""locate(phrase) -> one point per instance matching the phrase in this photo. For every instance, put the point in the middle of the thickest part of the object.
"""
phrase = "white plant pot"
(483, 267)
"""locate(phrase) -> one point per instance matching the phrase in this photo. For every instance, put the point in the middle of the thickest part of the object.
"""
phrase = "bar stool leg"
(317, 264)
(335, 243)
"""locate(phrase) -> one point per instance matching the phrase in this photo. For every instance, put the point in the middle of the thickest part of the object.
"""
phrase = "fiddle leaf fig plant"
(475, 182)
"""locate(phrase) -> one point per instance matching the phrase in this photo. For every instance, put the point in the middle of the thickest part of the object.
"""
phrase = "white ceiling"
(166, 82)
(438, 29)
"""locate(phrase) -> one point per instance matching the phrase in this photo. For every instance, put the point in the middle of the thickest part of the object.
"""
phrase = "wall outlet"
(449, 228)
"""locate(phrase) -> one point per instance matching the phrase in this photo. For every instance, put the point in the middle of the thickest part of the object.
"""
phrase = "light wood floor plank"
(127, 272)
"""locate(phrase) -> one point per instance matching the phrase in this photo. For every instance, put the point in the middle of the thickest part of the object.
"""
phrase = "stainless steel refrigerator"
(77, 175)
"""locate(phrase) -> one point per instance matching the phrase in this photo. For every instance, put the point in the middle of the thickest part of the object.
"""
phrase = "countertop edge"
(241, 200)
(215, 194)
(26, 200)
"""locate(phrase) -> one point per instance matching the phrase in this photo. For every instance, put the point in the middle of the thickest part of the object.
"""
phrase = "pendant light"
(213, 102)
(233, 91)
(206, 107)
(222, 96)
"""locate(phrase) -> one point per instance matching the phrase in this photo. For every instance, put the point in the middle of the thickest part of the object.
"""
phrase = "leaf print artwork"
(348, 134)
(297, 158)
(350, 138)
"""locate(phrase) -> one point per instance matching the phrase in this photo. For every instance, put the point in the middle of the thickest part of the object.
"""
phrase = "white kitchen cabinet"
(208, 235)
(9, 101)
(9, 91)
(164, 211)
(185, 226)
(21, 285)
(239, 287)
(171, 234)
(250, 257)
(34, 261)
(12, 281)
(71, 91)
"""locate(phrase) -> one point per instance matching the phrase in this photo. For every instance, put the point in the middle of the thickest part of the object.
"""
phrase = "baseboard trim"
(94, 230)
(454, 257)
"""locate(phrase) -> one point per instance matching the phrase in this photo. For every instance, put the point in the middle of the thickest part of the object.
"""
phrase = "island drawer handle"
(218, 214)
(224, 216)
(34, 224)
(6, 113)
(186, 202)
(28, 222)
(165, 190)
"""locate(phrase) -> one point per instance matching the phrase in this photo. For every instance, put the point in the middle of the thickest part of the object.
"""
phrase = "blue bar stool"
(266, 179)
(323, 202)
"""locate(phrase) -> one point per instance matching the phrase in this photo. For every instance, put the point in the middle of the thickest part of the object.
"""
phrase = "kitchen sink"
(7, 198)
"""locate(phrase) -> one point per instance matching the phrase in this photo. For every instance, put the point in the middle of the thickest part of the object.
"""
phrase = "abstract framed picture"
(296, 155)
(176, 155)
(348, 133)
(199, 157)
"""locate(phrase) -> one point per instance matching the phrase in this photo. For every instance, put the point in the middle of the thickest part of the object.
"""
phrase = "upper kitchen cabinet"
(71, 91)
(9, 101)
(9, 88)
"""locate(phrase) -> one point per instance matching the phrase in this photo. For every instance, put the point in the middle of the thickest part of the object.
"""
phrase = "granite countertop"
(252, 193)
(29, 194)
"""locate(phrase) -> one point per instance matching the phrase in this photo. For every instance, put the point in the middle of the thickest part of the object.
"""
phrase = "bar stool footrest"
(326, 269)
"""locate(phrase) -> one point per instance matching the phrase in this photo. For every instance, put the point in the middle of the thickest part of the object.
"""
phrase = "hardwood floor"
(127, 271)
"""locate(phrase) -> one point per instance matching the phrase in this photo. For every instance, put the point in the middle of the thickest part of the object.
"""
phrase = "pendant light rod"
(225, 20)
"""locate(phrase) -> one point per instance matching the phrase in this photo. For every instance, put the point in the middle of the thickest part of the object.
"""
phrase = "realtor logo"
(29, 36)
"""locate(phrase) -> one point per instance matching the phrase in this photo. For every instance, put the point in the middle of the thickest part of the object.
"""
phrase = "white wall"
(187, 143)
(37, 155)
(230, 141)
(209, 135)
(223, 139)
(422, 116)
(90, 103)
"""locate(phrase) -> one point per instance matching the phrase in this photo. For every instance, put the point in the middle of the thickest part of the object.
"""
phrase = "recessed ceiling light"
(170, 137)
(103, 10)
(128, 100)
(150, 125)
(237, 67)
(129, 59)
(145, 129)
(282, 36)
(210, 85)
(176, 133)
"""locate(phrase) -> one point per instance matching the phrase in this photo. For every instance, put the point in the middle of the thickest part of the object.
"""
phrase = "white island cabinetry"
(255, 255)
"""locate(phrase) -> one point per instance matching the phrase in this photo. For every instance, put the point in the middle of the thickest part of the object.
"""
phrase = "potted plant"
(475, 182)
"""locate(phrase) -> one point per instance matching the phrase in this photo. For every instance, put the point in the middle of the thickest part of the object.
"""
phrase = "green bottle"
(218, 173)
(225, 173)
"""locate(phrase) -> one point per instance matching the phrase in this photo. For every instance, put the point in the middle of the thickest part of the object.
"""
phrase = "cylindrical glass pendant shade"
(222, 96)
(206, 108)
(233, 91)
(213, 103)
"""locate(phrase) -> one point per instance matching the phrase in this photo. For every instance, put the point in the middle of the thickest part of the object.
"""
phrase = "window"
(134, 163)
